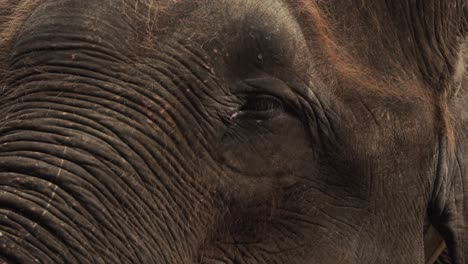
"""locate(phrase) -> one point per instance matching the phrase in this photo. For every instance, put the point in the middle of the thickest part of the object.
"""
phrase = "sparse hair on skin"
(12, 16)
(429, 43)
(424, 54)
(433, 55)
(435, 58)
(14, 13)
(413, 50)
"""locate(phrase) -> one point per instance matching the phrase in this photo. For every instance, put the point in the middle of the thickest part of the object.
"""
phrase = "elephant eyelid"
(261, 103)
(264, 98)
(264, 106)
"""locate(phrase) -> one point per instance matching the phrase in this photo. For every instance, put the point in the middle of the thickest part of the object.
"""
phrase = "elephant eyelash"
(259, 107)
(262, 103)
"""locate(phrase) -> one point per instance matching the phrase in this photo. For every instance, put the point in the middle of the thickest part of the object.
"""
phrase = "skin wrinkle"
(85, 45)
(175, 80)
(135, 146)
(197, 58)
(62, 96)
(56, 213)
(179, 80)
(75, 98)
(17, 157)
(29, 93)
(25, 253)
(42, 255)
(81, 224)
(26, 237)
(50, 199)
(18, 241)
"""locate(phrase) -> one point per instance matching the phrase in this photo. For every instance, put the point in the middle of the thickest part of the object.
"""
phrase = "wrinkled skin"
(241, 131)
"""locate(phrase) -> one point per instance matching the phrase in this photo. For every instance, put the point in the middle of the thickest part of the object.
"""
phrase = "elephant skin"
(233, 131)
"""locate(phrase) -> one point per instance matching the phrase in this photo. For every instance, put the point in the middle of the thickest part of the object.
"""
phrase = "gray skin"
(240, 131)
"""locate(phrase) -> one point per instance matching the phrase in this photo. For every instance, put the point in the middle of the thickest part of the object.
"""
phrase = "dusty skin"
(234, 131)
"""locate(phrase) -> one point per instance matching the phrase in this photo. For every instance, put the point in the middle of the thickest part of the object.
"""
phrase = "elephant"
(233, 131)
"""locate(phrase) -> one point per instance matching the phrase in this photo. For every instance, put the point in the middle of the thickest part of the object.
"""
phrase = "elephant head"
(232, 131)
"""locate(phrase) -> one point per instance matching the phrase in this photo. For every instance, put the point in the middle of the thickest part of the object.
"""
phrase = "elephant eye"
(261, 106)
(260, 103)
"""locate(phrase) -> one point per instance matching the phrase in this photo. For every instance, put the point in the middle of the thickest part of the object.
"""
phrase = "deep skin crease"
(240, 131)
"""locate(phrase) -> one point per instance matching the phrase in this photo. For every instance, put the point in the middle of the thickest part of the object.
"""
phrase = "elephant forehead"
(74, 21)
(212, 37)
(126, 23)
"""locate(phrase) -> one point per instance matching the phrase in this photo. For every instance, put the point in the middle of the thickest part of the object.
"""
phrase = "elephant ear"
(451, 202)
(434, 37)
(448, 209)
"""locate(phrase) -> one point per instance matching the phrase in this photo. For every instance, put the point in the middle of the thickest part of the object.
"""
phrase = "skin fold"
(232, 131)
